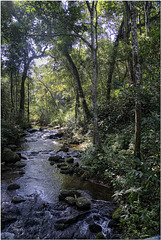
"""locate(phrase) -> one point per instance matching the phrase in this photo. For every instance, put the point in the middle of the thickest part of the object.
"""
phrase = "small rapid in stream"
(41, 214)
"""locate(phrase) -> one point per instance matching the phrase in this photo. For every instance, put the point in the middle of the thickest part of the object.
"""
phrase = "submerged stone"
(18, 200)
(13, 186)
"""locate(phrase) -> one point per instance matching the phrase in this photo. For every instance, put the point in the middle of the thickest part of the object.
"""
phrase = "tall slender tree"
(137, 77)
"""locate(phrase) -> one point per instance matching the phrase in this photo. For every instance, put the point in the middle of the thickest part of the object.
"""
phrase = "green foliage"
(10, 134)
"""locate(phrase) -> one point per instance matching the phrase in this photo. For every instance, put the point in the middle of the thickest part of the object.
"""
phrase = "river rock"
(56, 159)
(9, 156)
(32, 130)
(12, 147)
(82, 203)
(64, 171)
(70, 160)
(100, 236)
(65, 167)
(20, 164)
(70, 200)
(18, 200)
(52, 163)
(59, 165)
(13, 186)
(57, 135)
(69, 193)
(117, 214)
(95, 228)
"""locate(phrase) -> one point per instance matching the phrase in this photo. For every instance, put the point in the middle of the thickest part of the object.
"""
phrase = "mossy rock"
(70, 160)
(65, 167)
(70, 200)
(59, 165)
(20, 164)
(117, 214)
(52, 163)
(82, 203)
(18, 200)
(69, 193)
(100, 236)
(9, 156)
(64, 171)
(57, 159)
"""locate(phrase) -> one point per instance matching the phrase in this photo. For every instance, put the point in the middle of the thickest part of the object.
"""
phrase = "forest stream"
(38, 212)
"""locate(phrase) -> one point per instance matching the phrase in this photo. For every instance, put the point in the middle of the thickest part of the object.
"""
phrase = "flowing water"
(45, 181)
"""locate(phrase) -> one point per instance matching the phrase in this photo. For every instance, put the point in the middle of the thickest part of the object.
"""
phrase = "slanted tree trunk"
(136, 68)
(78, 84)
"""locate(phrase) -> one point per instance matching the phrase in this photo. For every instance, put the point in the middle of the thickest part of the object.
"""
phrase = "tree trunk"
(22, 92)
(127, 30)
(12, 102)
(136, 68)
(92, 10)
(28, 107)
(77, 104)
(113, 59)
(78, 84)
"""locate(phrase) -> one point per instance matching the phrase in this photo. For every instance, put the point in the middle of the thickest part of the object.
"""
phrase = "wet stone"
(82, 203)
(13, 186)
(70, 200)
(68, 193)
(95, 228)
(57, 159)
(70, 160)
(59, 165)
(20, 164)
(64, 171)
(18, 200)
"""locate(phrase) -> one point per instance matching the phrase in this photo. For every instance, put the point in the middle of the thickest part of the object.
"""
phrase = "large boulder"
(9, 156)
(82, 203)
